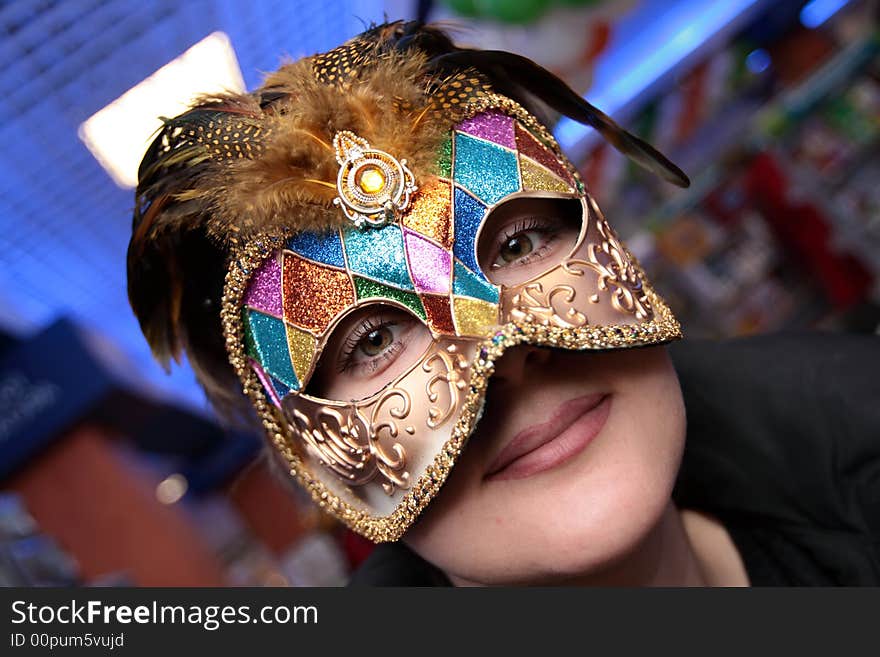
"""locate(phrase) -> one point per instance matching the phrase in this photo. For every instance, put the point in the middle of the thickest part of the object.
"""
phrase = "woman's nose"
(518, 363)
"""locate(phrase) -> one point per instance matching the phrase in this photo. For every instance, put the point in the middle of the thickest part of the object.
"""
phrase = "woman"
(415, 290)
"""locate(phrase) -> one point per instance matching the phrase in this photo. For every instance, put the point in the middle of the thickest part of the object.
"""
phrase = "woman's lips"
(543, 446)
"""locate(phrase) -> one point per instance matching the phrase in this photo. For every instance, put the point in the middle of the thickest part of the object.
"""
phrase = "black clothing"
(783, 448)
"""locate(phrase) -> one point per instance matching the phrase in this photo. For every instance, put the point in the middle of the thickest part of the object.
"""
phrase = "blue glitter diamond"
(378, 253)
(280, 389)
(488, 171)
(325, 248)
(467, 283)
(469, 215)
(270, 344)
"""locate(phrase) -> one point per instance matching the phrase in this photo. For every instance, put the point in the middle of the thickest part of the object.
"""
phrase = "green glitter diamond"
(250, 345)
(367, 288)
(444, 158)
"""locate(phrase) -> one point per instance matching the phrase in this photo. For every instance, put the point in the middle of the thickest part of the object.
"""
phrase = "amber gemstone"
(371, 179)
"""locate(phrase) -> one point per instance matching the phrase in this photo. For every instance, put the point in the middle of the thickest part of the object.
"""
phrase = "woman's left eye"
(519, 245)
(524, 243)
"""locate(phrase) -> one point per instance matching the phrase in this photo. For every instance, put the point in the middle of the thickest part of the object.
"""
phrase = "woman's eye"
(376, 341)
(517, 246)
(525, 237)
(525, 242)
(366, 351)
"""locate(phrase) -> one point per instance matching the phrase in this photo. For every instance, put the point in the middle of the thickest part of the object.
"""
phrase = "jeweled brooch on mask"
(373, 186)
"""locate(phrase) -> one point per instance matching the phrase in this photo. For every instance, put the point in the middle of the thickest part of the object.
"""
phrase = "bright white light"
(119, 134)
(171, 489)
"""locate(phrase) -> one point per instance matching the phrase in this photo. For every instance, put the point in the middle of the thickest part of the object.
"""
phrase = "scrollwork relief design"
(553, 307)
(391, 464)
(339, 440)
(453, 365)
(616, 273)
(348, 444)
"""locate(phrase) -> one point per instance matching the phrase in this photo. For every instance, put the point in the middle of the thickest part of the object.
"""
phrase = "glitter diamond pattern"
(469, 215)
(431, 213)
(439, 313)
(531, 147)
(269, 384)
(491, 125)
(474, 318)
(429, 265)
(537, 178)
(488, 171)
(303, 283)
(301, 345)
(378, 254)
(367, 289)
(444, 159)
(270, 343)
(264, 291)
(325, 248)
(469, 284)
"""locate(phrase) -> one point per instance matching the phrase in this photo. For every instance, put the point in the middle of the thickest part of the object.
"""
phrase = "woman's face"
(574, 459)
(570, 467)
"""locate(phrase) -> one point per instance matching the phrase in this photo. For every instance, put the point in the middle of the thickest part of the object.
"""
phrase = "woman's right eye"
(376, 341)
(367, 351)
(373, 344)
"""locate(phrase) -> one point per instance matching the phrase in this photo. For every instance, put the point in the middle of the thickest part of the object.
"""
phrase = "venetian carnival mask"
(367, 346)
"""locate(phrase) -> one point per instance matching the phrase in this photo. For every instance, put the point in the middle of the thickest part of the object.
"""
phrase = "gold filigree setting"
(373, 186)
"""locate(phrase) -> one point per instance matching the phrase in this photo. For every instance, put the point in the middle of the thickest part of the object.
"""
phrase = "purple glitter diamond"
(494, 126)
(264, 290)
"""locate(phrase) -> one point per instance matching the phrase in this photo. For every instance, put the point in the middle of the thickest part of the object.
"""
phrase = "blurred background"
(113, 472)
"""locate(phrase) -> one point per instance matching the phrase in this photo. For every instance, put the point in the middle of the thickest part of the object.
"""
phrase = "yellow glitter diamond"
(538, 178)
(371, 179)
(301, 345)
(474, 318)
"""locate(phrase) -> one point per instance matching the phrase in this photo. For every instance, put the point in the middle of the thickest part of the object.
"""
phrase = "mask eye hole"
(367, 350)
(525, 237)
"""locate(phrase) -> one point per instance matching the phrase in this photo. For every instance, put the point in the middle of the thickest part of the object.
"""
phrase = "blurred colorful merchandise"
(564, 36)
(780, 229)
(513, 11)
(100, 484)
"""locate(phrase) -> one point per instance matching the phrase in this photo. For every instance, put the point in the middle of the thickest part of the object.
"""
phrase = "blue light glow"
(817, 12)
(758, 61)
(647, 45)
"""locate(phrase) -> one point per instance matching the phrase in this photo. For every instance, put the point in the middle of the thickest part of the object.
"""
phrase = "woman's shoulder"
(783, 445)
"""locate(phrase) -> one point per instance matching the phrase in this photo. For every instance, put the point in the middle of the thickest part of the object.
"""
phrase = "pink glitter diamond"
(429, 265)
(264, 379)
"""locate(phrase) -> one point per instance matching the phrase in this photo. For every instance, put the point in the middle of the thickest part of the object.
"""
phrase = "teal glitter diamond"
(488, 171)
